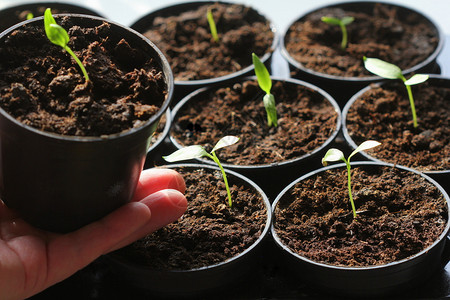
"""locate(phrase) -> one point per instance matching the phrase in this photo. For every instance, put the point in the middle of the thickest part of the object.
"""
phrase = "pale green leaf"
(271, 109)
(347, 20)
(212, 25)
(331, 20)
(225, 142)
(382, 68)
(332, 154)
(186, 153)
(262, 74)
(364, 146)
(58, 35)
(416, 79)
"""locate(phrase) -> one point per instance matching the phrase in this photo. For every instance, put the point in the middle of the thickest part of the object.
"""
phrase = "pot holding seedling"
(325, 46)
(392, 241)
(209, 42)
(212, 247)
(410, 117)
(282, 124)
(75, 128)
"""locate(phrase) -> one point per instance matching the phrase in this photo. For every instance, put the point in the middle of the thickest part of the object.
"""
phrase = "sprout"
(197, 151)
(30, 16)
(341, 23)
(265, 83)
(212, 25)
(335, 155)
(59, 36)
(390, 71)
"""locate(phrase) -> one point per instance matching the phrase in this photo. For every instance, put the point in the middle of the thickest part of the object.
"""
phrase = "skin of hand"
(32, 259)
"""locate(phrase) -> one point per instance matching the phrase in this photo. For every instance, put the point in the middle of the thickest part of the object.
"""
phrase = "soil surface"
(42, 86)
(398, 216)
(210, 231)
(305, 121)
(379, 30)
(186, 41)
(383, 113)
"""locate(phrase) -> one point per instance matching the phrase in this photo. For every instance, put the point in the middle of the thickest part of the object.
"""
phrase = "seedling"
(59, 36)
(30, 16)
(265, 83)
(197, 151)
(334, 154)
(212, 25)
(391, 71)
(342, 23)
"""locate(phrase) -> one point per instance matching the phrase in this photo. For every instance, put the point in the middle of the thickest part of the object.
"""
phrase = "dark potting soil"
(305, 121)
(42, 86)
(210, 231)
(379, 31)
(399, 216)
(186, 41)
(383, 113)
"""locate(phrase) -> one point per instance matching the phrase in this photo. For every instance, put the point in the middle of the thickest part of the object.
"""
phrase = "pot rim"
(209, 81)
(367, 79)
(49, 4)
(441, 237)
(352, 143)
(315, 88)
(233, 259)
(164, 64)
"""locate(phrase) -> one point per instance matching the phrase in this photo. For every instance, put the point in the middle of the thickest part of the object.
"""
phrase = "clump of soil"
(42, 86)
(305, 121)
(400, 214)
(383, 113)
(210, 231)
(186, 41)
(383, 31)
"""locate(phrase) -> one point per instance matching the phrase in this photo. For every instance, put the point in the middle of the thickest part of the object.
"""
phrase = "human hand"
(32, 259)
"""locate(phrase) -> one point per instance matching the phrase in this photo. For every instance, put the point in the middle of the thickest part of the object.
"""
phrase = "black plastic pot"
(364, 282)
(161, 143)
(441, 176)
(15, 14)
(342, 88)
(183, 87)
(61, 183)
(223, 275)
(272, 177)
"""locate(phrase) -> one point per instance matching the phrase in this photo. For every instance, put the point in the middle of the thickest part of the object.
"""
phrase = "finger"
(153, 180)
(166, 206)
(73, 251)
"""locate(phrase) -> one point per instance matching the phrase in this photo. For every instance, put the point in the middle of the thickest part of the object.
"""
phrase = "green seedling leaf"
(212, 25)
(364, 146)
(59, 36)
(262, 74)
(197, 151)
(265, 83)
(342, 23)
(30, 16)
(416, 79)
(382, 68)
(334, 154)
(390, 71)
(187, 153)
(225, 142)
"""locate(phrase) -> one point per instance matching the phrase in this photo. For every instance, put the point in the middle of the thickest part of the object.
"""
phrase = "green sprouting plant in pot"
(59, 36)
(212, 25)
(334, 154)
(197, 151)
(342, 23)
(391, 71)
(265, 83)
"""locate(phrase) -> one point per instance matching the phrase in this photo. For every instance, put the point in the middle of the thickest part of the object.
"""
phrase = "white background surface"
(280, 12)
